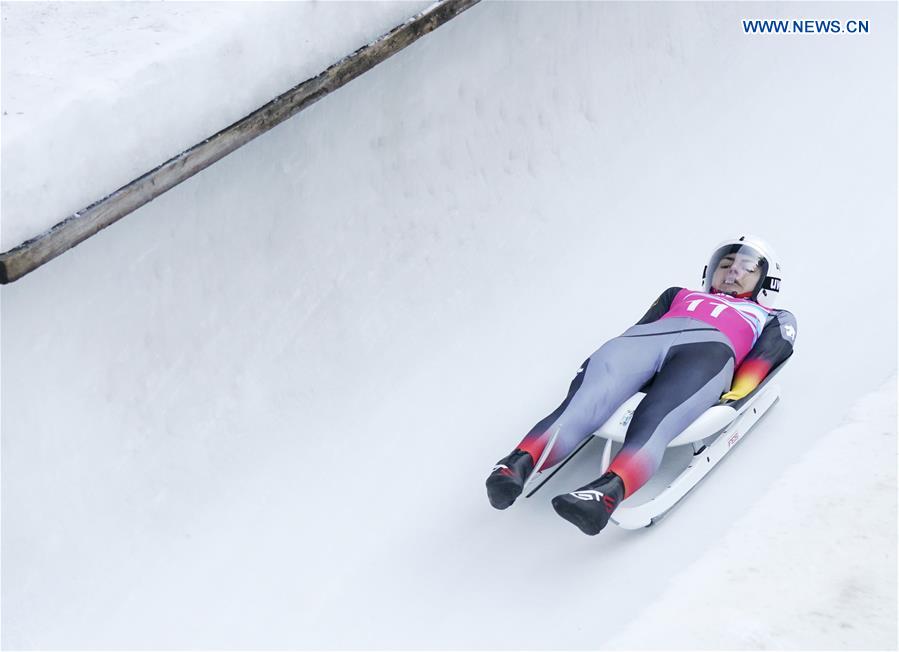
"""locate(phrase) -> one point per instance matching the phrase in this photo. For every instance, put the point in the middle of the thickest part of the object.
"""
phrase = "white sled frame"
(723, 425)
(704, 459)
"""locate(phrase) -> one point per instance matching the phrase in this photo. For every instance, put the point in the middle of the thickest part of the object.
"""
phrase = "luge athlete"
(688, 344)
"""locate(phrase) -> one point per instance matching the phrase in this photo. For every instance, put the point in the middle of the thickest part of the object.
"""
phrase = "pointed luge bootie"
(506, 481)
(591, 506)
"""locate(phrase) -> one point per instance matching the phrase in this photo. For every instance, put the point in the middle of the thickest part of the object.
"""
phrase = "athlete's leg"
(614, 373)
(606, 379)
(691, 380)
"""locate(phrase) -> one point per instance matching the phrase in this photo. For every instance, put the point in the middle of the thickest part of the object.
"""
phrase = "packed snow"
(259, 412)
(96, 93)
(806, 583)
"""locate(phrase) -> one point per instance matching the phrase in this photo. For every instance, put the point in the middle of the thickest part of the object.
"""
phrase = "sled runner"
(712, 436)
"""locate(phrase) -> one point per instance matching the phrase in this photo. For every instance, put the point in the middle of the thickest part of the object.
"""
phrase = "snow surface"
(94, 94)
(834, 584)
(259, 412)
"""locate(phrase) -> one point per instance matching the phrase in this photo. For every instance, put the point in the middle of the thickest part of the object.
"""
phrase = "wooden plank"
(28, 256)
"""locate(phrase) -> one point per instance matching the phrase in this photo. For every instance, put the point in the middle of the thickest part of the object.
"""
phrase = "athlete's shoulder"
(782, 315)
(672, 291)
(660, 306)
(667, 296)
(785, 322)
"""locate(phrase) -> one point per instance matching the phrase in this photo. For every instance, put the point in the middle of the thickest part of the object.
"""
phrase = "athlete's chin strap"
(745, 295)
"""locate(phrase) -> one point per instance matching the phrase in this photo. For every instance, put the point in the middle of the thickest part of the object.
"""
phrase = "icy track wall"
(88, 220)
(259, 411)
(83, 82)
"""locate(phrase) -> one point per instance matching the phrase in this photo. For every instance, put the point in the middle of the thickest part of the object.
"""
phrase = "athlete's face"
(737, 274)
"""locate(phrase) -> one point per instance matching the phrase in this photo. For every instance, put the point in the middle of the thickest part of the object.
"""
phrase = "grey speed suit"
(690, 363)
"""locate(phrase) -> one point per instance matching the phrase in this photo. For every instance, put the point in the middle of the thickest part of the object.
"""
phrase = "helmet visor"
(738, 270)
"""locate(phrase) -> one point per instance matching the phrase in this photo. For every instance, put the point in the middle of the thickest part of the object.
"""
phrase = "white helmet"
(746, 267)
